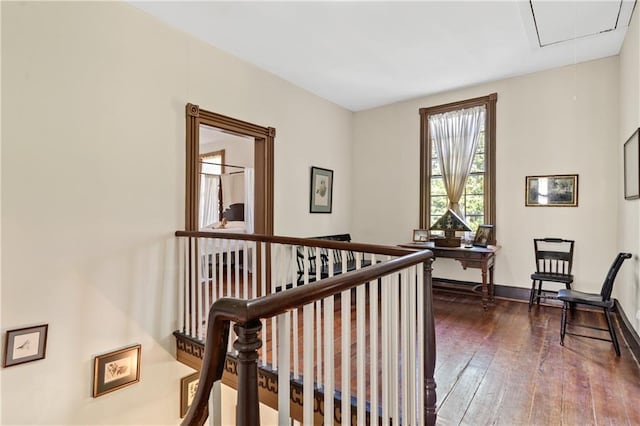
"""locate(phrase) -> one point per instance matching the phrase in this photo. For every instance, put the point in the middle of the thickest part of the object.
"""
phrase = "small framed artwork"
(420, 235)
(116, 370)
(551, 191)
(25, 345)
(484, 236)
(321, 193)
(632, 167)
(188, 389)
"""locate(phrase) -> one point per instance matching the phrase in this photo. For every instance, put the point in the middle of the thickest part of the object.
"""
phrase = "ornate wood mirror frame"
(263, 164)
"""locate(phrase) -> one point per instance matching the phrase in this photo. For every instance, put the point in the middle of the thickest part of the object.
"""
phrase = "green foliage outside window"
(472, 201)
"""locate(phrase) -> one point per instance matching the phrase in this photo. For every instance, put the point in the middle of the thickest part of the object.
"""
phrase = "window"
(477, 202)
(210, 206)
(211, 162)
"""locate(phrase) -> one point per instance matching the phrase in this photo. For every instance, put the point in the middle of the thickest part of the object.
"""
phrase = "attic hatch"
(558, 22)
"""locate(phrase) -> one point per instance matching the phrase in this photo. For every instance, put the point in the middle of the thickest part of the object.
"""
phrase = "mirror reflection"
(226, 181)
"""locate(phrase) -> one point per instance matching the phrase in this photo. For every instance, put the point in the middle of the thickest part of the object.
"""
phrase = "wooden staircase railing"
(248, 316)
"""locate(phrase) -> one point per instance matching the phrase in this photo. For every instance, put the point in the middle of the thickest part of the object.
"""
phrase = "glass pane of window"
(478, 163)
(437, 186)
(438, 207)
(463, 208)
(474, 221)
(435, 167)
(474, 185)
(480, 148)
(435, 163)
(474, 205)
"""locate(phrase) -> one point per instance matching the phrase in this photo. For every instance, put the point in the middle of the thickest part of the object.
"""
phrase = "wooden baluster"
(247, 345)
(429, 349)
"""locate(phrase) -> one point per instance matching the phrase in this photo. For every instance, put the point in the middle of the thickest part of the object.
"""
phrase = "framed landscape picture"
(116, 370)
(25, 345)
(551, 191)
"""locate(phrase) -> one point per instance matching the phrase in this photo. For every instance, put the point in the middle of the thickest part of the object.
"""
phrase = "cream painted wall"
(627, 289)
(561, 121)
(1, 209)
(93, 189)
(93, 123)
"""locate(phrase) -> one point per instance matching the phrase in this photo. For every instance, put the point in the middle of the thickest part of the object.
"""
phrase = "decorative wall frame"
(484, 236)
(188, 389)
(632, 167)
(321, 192)
(25, 345)
(551, 191)
(420, 235)
(116, 370)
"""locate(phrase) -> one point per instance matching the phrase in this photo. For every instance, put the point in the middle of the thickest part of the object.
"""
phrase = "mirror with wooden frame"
(201, 122)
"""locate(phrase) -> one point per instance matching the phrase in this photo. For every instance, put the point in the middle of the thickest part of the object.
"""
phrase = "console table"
(482, 258)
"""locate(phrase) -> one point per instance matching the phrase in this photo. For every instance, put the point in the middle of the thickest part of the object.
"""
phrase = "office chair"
(597, 300)
(554, 259)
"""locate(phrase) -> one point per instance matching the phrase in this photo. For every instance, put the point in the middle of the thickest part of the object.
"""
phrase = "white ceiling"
(362, 55)
(213, 135)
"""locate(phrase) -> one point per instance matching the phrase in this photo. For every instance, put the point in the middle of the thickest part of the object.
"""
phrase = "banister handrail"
(225, 310)
(309, 242)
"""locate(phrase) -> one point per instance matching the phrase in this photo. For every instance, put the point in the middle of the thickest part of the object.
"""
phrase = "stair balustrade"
(289, 312)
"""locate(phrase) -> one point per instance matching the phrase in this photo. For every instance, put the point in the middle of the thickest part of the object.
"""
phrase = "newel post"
(429, 348)
(247, 345)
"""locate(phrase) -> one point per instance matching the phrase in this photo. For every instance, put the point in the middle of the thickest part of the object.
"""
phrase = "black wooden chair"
(325, 258)
(554, 259)
(597, 300)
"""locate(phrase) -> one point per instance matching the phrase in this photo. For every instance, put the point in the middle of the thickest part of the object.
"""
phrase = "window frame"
(202, 157)
(489, 102)
(219, 153)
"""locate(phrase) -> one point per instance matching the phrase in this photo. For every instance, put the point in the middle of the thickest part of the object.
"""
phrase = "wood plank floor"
(506, 366)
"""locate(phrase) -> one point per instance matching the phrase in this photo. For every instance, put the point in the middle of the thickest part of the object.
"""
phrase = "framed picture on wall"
(188, 389)
(116, 370)
(632, 167)
(551, 191)
(321, 192)
(25, 345)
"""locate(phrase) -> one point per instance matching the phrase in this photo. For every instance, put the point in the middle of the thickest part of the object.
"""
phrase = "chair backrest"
(553, 255)
(607, 286)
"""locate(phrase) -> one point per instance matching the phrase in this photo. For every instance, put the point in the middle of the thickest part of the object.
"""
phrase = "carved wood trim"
(193, 110)
(268, 385)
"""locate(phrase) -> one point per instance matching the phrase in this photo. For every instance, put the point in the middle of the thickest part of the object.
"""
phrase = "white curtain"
(209, 212)
(249, 190)
(455, 136)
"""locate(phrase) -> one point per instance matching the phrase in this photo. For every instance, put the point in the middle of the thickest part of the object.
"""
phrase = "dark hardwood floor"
(506, 366)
